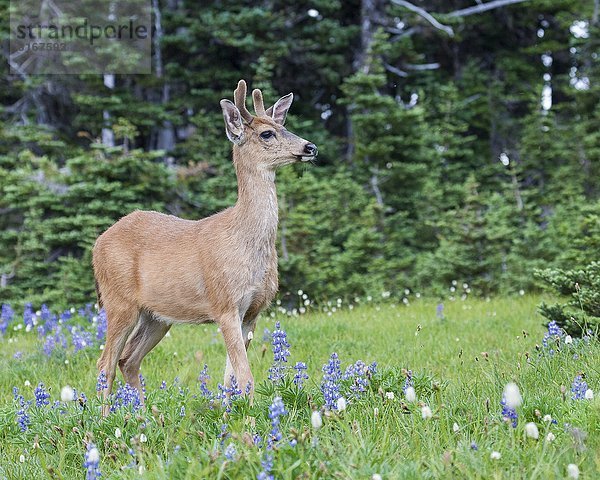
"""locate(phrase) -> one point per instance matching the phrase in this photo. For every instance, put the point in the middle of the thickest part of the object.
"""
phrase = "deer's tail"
(98, 296)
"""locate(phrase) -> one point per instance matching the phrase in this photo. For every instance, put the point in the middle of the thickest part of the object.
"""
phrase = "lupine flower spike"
(330, 384)
(92, 462)
(281, 352)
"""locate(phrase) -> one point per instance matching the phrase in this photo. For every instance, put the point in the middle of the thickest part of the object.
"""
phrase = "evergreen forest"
(459, 145)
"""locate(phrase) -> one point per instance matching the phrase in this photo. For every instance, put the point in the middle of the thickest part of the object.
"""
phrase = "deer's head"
(262, 139)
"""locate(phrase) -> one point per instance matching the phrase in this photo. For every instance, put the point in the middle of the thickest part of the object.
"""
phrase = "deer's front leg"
(237, 359)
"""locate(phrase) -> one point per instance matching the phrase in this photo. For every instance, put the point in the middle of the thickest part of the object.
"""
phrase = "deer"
(153, 270)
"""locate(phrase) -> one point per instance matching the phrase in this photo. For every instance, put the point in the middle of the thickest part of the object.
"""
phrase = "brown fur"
(153, 270)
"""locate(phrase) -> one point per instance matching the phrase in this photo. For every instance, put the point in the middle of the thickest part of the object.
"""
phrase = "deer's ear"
(234, 127)
(279, 111)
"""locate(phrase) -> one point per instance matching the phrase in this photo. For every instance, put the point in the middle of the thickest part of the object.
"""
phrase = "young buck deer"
(153, 270)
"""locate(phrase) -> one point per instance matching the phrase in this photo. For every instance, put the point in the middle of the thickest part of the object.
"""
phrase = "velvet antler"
(239, 96)
(259, 106)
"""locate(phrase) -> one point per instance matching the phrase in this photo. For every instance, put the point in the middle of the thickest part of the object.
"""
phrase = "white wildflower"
(118, 433)
(376, 476)
(550, 437)
(341, 404)
(316, 420)
(568, 339)
(426, 412)
(93, 455)
(573, 471)
(531, 430)
(27, 383)
(512, 396)
(589, 394)
(389, 395)
(410, 394)
(547, 418)
(495, 455)
(143, 438)
(455, 427)
(22, 459)
(67, 394)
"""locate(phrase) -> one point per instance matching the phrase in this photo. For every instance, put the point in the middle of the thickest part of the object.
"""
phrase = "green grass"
(460, 364)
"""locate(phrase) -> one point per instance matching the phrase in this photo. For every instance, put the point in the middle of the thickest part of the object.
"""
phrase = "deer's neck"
(256, 207)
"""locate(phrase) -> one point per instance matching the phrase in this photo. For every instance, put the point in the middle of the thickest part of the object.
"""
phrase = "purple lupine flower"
(101, 326)
(143, 385)
(224, 433)
(7, 313)
(42, 397)
(102, 382)
(509, 414)
(182, 411)
(163, 385)
(301, 374)
(92, 462)
(276, 410)
(554, 333)
(48, 323)
(22, 418)
(227, 394)
(16, 394)
(126, 397)
(80, 338)
(87, 312)
(281, 352)
(203, 379)
(359, 374)
(6, 316)
(439, 311)
(474, 446)
(53, 340)
(578, 388)
(18, 355)
(230, 452)
(330, 384)
(267, 466)
(28, 315)
(45, 313)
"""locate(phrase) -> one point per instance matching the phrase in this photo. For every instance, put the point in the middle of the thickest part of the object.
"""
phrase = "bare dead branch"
(422, 66)
(397, 71)
(483, 7)
(426, 15)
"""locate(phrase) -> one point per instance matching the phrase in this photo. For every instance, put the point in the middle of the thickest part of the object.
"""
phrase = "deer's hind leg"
(120, 320)
(147, 334)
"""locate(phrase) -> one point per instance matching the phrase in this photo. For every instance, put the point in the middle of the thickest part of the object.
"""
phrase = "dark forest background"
(466, 149)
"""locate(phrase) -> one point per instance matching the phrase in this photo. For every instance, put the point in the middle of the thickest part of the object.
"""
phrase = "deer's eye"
(267, 134)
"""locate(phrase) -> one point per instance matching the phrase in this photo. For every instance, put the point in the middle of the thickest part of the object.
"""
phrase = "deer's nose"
(310, 149)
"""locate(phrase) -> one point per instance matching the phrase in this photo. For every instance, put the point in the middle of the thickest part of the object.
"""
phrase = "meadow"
(455, 359)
